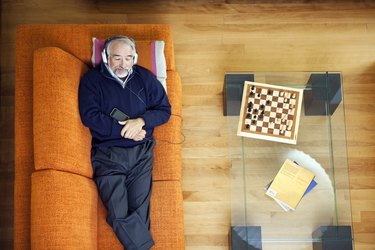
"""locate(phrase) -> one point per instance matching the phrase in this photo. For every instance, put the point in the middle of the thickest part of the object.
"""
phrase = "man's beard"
(121, 72)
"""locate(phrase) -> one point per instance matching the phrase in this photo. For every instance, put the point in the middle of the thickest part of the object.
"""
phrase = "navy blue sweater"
(143, 96)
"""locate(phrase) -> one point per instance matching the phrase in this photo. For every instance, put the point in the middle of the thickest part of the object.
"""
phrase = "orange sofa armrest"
(63, 211)
(61, 141)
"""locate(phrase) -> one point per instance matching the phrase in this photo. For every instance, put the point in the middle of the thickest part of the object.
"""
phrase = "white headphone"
(126, 39)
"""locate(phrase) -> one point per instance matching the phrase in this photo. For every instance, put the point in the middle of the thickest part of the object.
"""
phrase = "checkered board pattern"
(270, 112)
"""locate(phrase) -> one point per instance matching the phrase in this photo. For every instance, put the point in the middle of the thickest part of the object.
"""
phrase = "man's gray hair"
(124, 39)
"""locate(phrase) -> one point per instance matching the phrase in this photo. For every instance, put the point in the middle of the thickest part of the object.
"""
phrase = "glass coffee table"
(322, 219)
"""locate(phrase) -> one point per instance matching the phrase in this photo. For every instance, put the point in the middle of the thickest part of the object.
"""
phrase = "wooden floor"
(210, 38)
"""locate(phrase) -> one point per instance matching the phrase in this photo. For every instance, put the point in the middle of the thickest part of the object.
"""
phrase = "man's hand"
(140, 136)
(133, 129)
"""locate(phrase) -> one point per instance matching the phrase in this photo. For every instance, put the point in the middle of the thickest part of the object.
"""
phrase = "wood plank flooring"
(210, 38)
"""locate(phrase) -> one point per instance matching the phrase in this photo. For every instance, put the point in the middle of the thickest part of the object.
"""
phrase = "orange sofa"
(56, 204)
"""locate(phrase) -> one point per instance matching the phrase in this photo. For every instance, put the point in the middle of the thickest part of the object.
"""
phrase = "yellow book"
(290, 184)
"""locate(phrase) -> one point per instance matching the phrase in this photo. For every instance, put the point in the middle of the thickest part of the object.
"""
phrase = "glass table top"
(320, 147)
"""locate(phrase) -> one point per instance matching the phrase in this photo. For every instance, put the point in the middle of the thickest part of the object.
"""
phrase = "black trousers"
(124, 179)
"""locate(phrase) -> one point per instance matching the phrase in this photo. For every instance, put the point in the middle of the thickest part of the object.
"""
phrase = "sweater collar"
(107, 72)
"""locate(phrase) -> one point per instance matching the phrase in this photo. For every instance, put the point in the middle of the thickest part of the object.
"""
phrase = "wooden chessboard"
(270, 112)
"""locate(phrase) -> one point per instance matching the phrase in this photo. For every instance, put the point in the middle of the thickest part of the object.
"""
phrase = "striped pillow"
(150, 55)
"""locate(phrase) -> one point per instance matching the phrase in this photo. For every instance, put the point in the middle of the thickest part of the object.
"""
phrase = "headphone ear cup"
(135, 59)
(104, 56)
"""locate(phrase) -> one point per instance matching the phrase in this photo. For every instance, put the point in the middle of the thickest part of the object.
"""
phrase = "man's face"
(120, 58)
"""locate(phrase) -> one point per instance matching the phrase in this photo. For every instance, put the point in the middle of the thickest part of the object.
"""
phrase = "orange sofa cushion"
(167, 213)
(64, 207)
